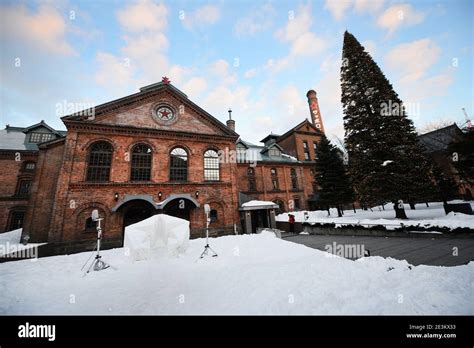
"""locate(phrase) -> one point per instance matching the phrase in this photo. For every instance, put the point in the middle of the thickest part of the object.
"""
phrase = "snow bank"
(433, 215)
(157, 236)
(253, 274)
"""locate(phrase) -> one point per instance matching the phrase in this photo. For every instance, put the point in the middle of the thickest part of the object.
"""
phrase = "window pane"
(141, 163)
(100, 160)
(178, 165)
(211, 166)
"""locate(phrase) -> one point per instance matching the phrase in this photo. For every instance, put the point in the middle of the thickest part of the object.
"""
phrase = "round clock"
(164, 113)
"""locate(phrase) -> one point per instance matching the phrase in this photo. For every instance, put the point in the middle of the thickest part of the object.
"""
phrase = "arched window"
(90, 225)
(141, 163)
(213, 215)
(100, 160)
(251, 178)
(294, 179)
(178, 164)
(275, 183)
(211, 166)
(281, 206)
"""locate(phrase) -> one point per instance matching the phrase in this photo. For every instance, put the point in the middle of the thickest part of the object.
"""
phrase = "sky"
(258, 58)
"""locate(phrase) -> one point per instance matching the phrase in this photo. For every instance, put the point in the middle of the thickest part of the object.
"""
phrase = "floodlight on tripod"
(97, 264)
(207, 248)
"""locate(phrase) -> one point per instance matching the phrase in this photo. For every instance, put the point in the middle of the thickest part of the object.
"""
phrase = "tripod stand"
(98, 264)
(207, 248)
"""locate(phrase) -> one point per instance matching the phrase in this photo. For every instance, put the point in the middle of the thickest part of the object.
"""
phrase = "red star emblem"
(165, 80)
(164, 114)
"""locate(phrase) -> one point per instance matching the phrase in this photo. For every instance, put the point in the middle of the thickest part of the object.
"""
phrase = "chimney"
(314, 110)
(230, 121)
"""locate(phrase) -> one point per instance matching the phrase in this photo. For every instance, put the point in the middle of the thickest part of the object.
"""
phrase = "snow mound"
(256, 203)
(12, 237)
(158, 236)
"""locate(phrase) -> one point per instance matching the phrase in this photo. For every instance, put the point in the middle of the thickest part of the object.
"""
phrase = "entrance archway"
(135, 211)
(180, 208)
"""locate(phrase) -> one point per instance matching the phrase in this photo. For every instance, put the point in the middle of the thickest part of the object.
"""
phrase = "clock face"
(165, 114)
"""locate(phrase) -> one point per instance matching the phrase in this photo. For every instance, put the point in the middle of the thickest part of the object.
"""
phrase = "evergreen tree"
(334, 186)
(386, 162)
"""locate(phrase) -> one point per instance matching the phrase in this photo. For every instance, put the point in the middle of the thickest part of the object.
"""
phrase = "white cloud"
(115, 70)
(370, 47)
(203, 16)
(338, 8)
(143, 15)
(307, 44)
(302, 41)
(399, 15)
(250, 73)
(46, 28)
(258, 20)
(296, 26)
(195, 86)
(413, 59)
(411, 63)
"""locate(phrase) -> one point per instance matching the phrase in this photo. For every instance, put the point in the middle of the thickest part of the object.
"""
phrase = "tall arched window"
(141, 163)
(178, 164)
(211, 166)
(100, 160)
(251, 178)
(294, 179)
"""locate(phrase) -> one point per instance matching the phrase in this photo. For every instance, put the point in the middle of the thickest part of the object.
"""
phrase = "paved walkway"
(417, 251)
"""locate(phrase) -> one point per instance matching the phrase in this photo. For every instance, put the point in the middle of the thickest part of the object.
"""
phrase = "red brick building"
(151, 152)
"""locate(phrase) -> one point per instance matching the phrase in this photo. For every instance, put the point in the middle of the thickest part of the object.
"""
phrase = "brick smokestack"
(314, 110)
(230, 121)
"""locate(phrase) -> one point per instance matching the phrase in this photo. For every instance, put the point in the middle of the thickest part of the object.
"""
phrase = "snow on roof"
(260, 204)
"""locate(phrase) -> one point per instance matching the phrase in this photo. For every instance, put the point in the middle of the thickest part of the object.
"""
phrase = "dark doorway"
(135, 211)
(259, 219)
(180, 208)
(468, 195)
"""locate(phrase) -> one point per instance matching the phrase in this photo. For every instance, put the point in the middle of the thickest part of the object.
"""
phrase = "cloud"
(203, 16)
(258, 20)
(46, 28)
(296, 26)
(339, 8)
(302, 41)
(195, 86)
(113, 69)
(411, 64)
(143, 15)
(250, 73)
(145, 49)
(413, 59)
(399, 15)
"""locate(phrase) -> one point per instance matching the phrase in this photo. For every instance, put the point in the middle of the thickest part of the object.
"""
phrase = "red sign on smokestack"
(314, 110)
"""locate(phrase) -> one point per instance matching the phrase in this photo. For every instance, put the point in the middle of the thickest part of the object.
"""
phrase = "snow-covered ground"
(433, 215)
(253, 274)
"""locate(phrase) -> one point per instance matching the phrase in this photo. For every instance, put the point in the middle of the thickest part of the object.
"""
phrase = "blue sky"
(257, 57)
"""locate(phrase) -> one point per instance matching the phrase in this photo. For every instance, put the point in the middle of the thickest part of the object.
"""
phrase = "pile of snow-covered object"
(158, 236)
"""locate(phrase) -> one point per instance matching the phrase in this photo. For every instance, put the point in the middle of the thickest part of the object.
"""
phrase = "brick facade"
(62, 197)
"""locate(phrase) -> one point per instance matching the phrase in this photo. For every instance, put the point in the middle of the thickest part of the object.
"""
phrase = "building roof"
(439, 139)
(259, 153)
(15, 138)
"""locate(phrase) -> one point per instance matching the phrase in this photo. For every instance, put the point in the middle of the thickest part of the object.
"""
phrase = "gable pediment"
(163, 108)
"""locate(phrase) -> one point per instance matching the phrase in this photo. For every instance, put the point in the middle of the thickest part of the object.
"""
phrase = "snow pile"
(12, 237)
(433, 215)
(253, 274)
(258, 204)
(157, 236)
